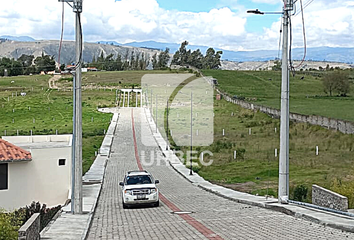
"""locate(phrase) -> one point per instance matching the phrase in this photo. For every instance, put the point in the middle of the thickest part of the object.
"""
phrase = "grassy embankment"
(306, 95)
(255, 169)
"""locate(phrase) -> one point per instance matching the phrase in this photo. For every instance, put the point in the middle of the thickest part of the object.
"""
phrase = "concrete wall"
(31, 229)
(340, 125)
(41, 179)
(326, 198)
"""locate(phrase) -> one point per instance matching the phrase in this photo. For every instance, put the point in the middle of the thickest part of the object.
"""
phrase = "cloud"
(328, 23)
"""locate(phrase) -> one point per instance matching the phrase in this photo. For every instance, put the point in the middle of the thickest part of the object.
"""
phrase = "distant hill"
(11, 47)
(20, 39)
(14, 49)
(109, 43)
(345, 55)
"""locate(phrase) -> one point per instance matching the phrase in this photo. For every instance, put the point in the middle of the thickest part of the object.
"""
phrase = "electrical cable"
(61, 35)
(78, 64)
(304, 34)
(290, 47)
(305, 5)
(280, 31)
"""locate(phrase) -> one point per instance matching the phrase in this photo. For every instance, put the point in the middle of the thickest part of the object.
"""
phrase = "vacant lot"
(46, 111)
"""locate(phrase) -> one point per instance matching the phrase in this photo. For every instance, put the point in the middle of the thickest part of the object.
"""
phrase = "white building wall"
(41, 179)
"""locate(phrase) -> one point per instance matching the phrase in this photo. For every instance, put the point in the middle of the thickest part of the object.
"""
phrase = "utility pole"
(156, 112)
(283, 189)
(76, 192)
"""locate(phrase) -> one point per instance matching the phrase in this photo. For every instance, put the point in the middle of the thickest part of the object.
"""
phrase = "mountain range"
(330, 54)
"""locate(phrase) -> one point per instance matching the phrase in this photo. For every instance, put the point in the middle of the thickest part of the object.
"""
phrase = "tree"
(26, 60)
(44, 63)
(176, 58)
(212, 59)
(197, 59)
(119, 63)
(336, 81)
(154, 61)
(182, 55)
(164, 58)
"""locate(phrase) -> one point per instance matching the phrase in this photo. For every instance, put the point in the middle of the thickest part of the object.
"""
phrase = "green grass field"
(49, 111)
(255, 169)
(306, 95)
(45, 111)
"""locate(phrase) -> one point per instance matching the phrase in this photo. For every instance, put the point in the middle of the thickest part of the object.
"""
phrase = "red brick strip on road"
(190, 220)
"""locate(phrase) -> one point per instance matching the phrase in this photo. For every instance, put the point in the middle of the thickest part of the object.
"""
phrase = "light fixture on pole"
(76, 191)
(283, 187)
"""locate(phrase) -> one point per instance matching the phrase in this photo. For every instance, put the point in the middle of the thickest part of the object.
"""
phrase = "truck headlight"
(129, 192)
(153, 190)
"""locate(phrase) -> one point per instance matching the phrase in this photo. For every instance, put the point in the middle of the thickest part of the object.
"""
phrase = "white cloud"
(328, 23)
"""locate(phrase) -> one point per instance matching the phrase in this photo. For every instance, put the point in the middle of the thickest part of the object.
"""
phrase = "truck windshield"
(144, 179)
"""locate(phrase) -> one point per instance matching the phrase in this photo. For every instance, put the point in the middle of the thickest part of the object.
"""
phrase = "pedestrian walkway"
(74, 227)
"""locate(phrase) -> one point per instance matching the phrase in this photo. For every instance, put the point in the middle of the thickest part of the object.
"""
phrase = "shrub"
(46, 213)
(300, 193)
(240, 153)
(10, 223)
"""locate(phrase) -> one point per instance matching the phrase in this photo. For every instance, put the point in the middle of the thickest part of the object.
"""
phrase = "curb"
(93, 210)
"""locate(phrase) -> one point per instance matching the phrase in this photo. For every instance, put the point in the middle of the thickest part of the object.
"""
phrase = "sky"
(213, 23)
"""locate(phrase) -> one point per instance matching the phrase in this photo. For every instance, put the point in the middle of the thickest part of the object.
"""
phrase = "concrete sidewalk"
(325, 218)
(70, 226)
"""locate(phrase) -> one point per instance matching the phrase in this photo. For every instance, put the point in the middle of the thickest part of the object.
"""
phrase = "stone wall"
(326, 198)
(330, 123)
(31, 229)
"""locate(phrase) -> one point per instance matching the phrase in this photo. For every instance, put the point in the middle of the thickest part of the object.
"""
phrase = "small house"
(35, 168)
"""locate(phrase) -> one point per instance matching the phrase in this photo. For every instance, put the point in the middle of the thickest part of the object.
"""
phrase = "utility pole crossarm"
(77, 7)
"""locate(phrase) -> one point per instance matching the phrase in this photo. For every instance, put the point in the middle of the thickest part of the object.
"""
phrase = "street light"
(283, 187)
(255, 12)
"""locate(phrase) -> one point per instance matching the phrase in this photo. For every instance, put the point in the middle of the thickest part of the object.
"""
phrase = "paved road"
(213, 217)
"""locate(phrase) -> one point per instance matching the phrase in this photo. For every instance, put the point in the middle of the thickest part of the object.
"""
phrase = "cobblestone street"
(212, 217)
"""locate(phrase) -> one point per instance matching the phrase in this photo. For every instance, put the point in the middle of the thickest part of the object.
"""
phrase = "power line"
(61, 35)
(304, 34)
(305, 6)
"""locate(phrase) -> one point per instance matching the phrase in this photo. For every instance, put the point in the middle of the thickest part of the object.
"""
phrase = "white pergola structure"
(137, 92)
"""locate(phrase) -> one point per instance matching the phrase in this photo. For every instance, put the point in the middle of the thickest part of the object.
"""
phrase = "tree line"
(26, 64)
(134, 60)
(183, 57)
(125, 62)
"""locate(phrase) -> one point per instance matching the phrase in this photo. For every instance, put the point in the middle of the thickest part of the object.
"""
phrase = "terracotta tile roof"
(11, 153)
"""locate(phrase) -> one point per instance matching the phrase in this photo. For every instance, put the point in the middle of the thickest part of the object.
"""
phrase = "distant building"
(92, 69)
(34, 168)
(70, 68)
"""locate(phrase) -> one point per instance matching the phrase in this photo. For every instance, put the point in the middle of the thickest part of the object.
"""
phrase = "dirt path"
(52, 81)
